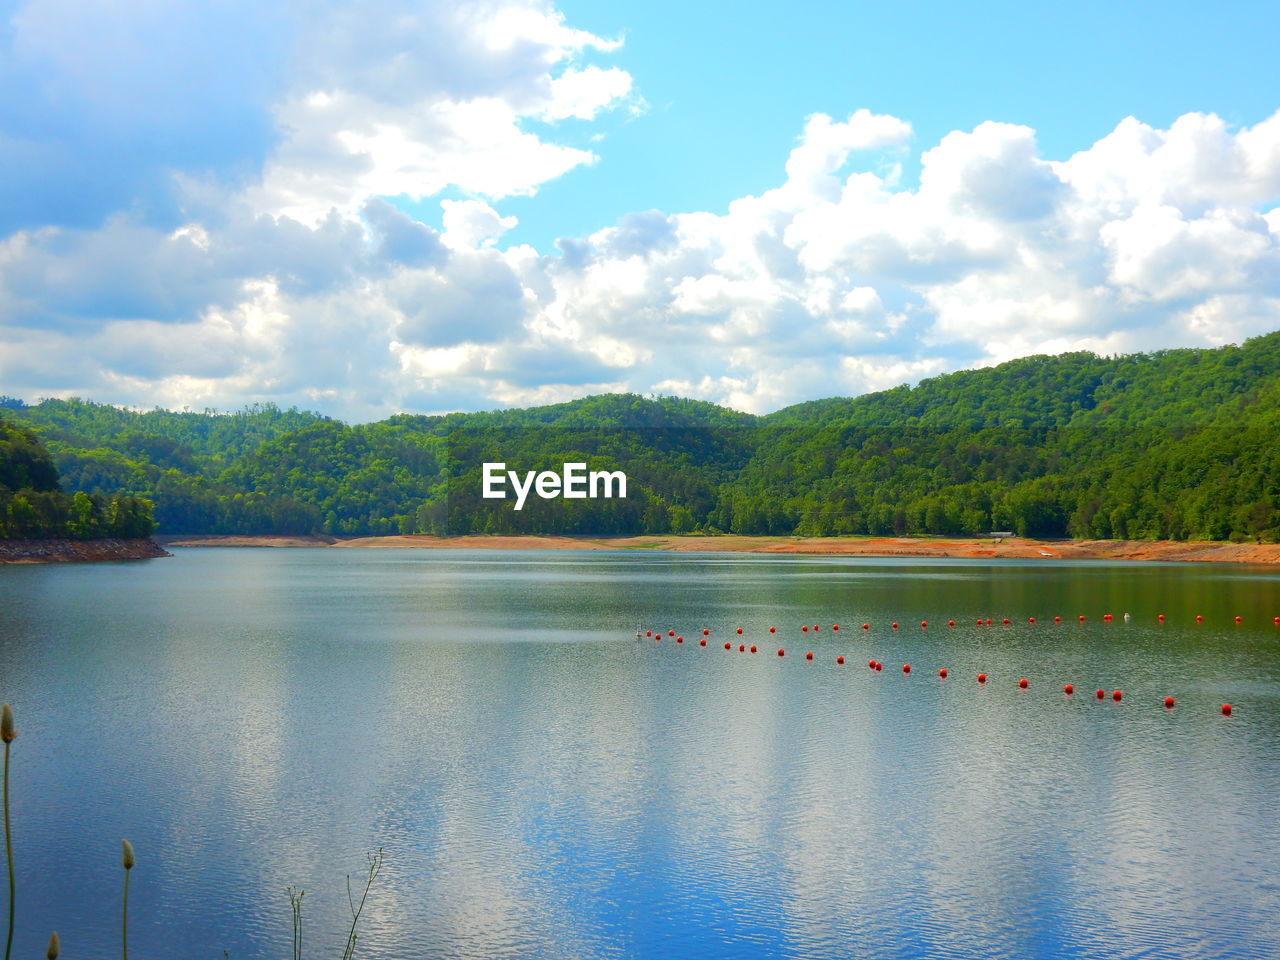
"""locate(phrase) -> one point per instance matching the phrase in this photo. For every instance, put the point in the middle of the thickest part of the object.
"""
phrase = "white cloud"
(472, 223)
(408, 99)
(582, 94)
(301, 284)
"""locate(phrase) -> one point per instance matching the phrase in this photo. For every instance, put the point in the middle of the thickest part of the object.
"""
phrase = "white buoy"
(1126, 618)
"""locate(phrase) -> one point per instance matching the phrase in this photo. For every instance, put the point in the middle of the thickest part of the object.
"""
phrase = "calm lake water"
(545, 785)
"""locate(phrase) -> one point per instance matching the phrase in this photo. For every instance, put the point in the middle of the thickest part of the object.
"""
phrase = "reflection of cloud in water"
(545, 786)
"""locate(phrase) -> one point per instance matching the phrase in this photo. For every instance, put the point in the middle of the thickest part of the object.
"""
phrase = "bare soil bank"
(71, 551)
(237, 540)
(847, 546)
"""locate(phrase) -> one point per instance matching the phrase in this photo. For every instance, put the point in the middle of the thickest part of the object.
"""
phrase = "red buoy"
(671, 633)
(804, 629)
(951, 623)
(702, 642)
(988, 621)
(871, 664)
(1226, 709)
(866, 626)
(1237, 619)
(679, 639)
(648, 633)
(979, 623)
(924, 623)
(739, 631)
(1102, 694)
(1082, 618)
(742, 648)
(839, 659)
(982, 678)
(816, 628)
(1031, 619)
(1160, 617)
(1057, 619)
(1276, 621)
(809, 655)
(906, 668)
(727, 645)
(943, 673)
(1116, 695)
(879, 665)
(1068, 689)
(1023, 683)
(1199, 618)
(781, 652)
(773, 629)
(1005, 621)
(753, 648)
(895, 625)
(836, 626)
(1168, 702)
(706, 632)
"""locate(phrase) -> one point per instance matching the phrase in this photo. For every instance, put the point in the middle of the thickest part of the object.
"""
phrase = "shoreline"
(965, 547)
(63, 550)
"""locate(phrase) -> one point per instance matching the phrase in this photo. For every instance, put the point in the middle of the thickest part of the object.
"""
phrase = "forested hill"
(33, 505)
(1179, 444)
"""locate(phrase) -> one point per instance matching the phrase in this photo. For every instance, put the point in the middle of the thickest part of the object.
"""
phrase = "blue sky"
(727, 84)
(430, 206)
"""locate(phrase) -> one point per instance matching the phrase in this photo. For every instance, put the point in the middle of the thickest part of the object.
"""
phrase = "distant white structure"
(999, 534)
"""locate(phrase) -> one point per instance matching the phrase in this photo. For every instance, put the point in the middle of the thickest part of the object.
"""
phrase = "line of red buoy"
(1068, 689)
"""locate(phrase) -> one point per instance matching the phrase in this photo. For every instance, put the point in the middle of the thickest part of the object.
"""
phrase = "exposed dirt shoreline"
(1013, 547)
(74, 551)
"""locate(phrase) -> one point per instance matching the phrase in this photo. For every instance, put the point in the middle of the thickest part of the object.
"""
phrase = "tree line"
(1178, 444)
(33, 505)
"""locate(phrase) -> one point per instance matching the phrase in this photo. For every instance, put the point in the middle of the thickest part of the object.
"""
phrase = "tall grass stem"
(7, 733)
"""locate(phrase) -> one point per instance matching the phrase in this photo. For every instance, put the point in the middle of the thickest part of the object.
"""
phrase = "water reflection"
(546, 786)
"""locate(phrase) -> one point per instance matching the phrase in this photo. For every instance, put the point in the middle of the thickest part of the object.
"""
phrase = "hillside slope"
(1176, 444)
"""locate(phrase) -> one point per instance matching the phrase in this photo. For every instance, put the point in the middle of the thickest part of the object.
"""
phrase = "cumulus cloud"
(272, 266)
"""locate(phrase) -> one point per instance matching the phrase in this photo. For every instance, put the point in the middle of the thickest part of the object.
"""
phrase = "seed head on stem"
(54, 945)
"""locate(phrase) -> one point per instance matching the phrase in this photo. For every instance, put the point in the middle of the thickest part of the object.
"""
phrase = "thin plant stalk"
(126, 858)
(375, 865)
(7, 733)
(295, 902)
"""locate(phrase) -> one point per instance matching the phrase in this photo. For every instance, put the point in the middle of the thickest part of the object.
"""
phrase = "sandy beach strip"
(977, 548)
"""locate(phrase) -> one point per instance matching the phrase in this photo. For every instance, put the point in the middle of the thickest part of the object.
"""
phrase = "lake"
(546, 785)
